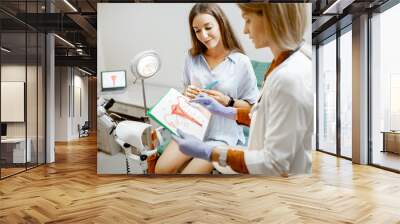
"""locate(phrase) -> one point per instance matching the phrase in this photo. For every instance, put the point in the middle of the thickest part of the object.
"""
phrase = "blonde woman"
(281, 122)
(216, 60)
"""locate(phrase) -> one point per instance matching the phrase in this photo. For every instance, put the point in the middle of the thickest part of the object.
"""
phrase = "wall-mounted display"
(113, 80)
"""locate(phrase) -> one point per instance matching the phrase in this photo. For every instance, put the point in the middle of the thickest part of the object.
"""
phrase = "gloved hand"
(192, 146)
(214, 107)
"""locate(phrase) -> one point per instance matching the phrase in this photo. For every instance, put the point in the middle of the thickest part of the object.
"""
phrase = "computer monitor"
(111, 80)
(3, 129)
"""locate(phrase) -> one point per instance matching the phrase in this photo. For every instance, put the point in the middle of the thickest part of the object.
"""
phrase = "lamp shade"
(146, 64)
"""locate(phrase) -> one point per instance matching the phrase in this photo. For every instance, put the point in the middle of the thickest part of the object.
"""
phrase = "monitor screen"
(3, 129)
(113, 80)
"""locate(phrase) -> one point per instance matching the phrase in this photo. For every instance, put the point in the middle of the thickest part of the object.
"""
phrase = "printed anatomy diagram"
(183, 114)
(174, 111)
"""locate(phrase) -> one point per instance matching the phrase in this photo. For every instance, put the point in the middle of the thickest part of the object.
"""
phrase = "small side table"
(391, 141)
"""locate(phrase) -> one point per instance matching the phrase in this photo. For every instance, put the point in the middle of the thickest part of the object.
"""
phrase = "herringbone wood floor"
(70, 191)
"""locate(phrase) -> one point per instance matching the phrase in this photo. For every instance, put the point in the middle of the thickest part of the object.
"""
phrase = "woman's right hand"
(192, 91)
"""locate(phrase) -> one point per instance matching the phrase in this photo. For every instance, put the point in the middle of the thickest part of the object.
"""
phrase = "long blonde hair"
(285, 23)
(228, 38)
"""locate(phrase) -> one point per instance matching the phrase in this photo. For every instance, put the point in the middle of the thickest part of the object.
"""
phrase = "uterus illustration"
(113, 78)
(177, 109)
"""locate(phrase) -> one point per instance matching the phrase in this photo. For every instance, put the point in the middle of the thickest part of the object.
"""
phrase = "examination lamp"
(143, 66)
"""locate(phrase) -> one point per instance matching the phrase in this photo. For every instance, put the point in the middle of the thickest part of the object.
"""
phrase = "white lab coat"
(282, 121)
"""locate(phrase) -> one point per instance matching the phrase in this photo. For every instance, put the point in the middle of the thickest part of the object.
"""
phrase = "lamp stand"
(146, 118)
(144, 98)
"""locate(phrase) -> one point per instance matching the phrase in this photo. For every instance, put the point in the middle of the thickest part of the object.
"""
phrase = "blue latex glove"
(215, 107)
(192, 146)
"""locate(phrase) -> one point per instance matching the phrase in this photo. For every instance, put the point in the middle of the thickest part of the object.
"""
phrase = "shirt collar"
(233, 57)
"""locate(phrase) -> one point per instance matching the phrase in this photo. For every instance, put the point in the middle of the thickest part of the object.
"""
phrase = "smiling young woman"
(216, 57)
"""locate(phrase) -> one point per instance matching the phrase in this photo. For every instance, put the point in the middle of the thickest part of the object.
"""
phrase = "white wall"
(61, 103)
(68, 82)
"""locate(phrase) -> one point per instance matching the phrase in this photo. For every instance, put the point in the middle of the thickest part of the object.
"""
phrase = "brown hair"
(229, 40)
(285, 23)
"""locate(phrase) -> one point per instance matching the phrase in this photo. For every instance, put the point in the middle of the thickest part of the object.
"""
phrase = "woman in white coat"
(281, 122)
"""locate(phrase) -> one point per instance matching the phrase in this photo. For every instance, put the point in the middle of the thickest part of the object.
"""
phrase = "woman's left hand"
(218, 96)
(215, 107)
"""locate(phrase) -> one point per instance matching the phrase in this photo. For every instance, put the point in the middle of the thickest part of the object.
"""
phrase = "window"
(385, 89)
(327, 97)
(346, 94)
(394, 102)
